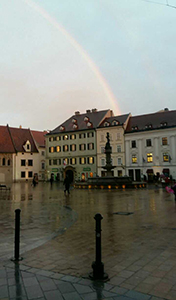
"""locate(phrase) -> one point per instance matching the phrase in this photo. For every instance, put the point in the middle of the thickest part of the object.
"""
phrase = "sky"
(62, 56)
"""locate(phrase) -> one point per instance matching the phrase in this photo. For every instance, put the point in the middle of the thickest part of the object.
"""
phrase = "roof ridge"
(8, 128)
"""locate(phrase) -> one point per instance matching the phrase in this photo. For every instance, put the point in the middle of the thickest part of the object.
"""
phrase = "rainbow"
(81, 51)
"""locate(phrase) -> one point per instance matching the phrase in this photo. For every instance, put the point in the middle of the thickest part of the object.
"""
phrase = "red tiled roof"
(154, 120)
(6, 145)
(95, 118)
(20, 136)
(39, 137)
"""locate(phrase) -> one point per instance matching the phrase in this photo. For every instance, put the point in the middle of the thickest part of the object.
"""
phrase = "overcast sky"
(60, 56)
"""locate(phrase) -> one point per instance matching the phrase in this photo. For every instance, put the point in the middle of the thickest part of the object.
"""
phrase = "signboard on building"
(86, 169)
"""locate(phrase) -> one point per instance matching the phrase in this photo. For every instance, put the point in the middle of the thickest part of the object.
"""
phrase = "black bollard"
(98, 266)
(17, 235)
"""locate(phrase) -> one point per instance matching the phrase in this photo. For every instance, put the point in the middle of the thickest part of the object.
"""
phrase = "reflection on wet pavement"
(43, 216)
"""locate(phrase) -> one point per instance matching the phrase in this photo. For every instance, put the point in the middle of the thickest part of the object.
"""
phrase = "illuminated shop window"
(149, 157)
(134, 158)
(166, 157)
(164, 141)
(58, 149)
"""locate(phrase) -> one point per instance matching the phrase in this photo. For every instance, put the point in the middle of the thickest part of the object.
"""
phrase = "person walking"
(67, 184)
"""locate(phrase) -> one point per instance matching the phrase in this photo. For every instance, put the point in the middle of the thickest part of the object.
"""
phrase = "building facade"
(71, 147)
(115, 126)
(19, 155)
(150, 145)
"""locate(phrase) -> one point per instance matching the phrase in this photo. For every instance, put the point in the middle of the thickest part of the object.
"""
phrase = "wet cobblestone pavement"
(138, 249)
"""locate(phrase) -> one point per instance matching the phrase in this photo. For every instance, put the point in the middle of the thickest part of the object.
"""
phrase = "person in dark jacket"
(67, 184)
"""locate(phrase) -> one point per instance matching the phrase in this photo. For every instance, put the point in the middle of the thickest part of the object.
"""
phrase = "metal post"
(98, 266)
(17, 235)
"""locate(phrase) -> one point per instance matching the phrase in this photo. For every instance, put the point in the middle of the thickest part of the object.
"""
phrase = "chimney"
(94, 110)
(88, 111)
(77, 113)
(20, 126)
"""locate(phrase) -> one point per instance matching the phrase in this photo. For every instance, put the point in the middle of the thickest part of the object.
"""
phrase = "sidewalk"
(20, 282)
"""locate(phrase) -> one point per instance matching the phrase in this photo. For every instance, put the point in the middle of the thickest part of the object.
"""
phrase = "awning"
(150, 171)
(166, 171)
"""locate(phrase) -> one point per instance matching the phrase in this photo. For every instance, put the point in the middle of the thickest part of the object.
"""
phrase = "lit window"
(58, 138)
(119, 161)
(73, 147)
(164, 141)
(52, 149)
(103, 162)
(118, 148)
(58, 149)
(65, 161)
(148, 143)
(165, 157)
(82, 160)
(65, 148)
(90, 160)
(91, 174)
(134, 158)
(73, 136)
(65, 137)
(51, 139)
(90, 146)
(149, 157)
(73, 161)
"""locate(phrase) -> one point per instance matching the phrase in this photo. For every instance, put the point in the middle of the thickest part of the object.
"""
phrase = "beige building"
(71, 147)
(115, 126)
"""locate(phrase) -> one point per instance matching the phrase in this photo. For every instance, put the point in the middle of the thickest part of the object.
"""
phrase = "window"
(23, 162)
(115, 123)
(51, 149)
(59, 161)
(149, 157)
(163, 124)
(30, 174)
(102, 149)
(65, 161)
(134, 158)
(58, 138)
(103, 162)
(75, 126)
(43, 153)
(54, 161)
(118, 148)
(73, 161)
(43, 166)
(73, 147)
(82, 147)
(164, 141)
(65, 137)
(23, 174)
(90, 160)
(119, 173)
(90, 134)
(118, 136)
(51, 139)
(133, 144)
(8, 162)
(166, 157)
(73, 137)
(3, 161)
(106, 124)
(28, 147)
(86, 119)
(89, 124)
(90, 146)
(119, 161)
(148, 143)
(65, 148)
(82, 135)
(58, 148)
(50, 162)
(30, 162)
(82, 160)
(62, 128)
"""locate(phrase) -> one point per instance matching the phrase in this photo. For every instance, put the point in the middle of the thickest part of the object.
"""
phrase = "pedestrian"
(34, 182)
(52, 179)
(67, 184)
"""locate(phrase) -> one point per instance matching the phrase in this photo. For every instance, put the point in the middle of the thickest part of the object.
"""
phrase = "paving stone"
(65, 287)
(3, 292)
(30, 281)
(119, 290)
(16, 291)
(48, 285)
(53, 295)
(90, 296)
(34, 292)
(81, 289)
(3, 281)
(72, 296)
(137, 296)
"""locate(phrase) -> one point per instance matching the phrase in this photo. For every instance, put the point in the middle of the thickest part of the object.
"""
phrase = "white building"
(150, 145)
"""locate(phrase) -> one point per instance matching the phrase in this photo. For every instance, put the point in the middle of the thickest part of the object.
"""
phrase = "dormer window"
(135, 128)
(163, 124)
(106, 124)
(86, 119)
(75, 126)
(27, 146)
(115, 123)
(89, 124)
(62, 128)
(74, 121)
(149, 126)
